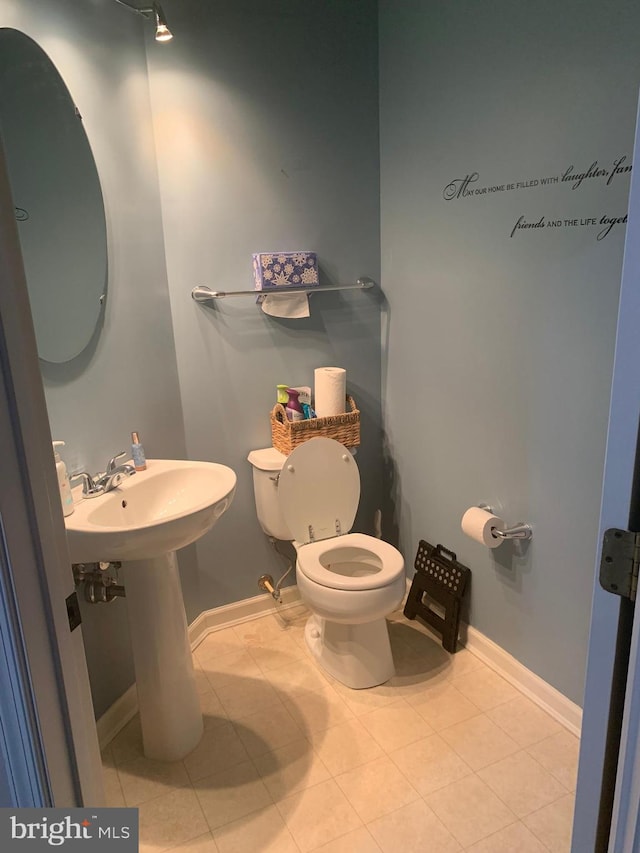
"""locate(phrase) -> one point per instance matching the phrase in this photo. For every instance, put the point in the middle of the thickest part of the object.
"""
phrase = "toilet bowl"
(349, 581)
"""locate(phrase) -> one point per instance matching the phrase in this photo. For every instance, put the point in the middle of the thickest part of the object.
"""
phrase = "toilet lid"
(319, 490)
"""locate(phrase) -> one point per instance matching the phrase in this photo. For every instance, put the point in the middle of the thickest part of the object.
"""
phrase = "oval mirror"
(57, 196)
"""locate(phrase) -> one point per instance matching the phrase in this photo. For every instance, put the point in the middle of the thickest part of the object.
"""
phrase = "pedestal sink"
(142, 523)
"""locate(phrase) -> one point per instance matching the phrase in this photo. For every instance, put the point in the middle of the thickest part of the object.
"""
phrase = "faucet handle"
(90, 489)
(112, 464)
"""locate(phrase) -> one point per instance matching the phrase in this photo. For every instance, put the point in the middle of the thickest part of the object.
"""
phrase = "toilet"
(349, 581)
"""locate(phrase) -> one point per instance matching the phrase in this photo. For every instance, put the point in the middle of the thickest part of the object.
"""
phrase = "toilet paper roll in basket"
(330, 391)
(478, 524)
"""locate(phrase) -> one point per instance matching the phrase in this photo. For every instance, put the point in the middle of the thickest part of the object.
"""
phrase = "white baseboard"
(117, 716)
(539, 691)
(556, 704)
(126, 707)
(240, 611)
(535, 688)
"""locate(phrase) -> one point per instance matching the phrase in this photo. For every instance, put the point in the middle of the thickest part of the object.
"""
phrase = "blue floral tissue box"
(285, 269)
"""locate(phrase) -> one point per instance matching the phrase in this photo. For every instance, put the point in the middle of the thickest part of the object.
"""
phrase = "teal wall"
(127, 377)
(255, 129)
(500, 345)
(266, 127)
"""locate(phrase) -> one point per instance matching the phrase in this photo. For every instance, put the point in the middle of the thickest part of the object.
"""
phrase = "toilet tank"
(267, 464)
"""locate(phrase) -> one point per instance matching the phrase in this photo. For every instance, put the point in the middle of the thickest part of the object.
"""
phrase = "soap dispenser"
(63, 481)
(137, 453)
(293, 408)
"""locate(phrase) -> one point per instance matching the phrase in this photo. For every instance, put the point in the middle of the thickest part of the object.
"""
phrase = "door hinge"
(620, 562)
(73, 611)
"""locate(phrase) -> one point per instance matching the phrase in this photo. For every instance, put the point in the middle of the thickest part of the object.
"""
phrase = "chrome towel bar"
(205, 294)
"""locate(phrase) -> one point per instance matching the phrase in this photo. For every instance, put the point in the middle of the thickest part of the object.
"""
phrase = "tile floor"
(445, 757)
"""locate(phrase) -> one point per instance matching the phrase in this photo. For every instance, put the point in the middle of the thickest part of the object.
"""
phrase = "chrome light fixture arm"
(163, 33)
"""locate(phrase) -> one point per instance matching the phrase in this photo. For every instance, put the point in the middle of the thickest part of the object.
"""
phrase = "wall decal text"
(464, 187)
(571, 176)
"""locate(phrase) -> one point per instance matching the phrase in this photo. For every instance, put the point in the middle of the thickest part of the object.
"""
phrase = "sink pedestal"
(170, 713)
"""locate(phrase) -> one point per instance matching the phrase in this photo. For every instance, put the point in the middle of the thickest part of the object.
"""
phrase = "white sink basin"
(162, 509)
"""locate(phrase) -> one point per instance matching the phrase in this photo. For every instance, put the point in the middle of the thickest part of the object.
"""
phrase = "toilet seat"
(319, 490)
(354, 561)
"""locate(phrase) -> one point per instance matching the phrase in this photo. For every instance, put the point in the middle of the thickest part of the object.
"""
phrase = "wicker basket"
(286, 434)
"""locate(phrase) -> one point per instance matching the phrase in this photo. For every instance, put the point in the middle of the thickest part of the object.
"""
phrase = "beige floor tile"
(267, 730)
(202, 682)
(264, 831)
(245, 696)
(127, 744)
(406, 657)
(396, 725)
(298, 613)
(362, 701)
(213, 714)
(522, 720)
(271, 694)
(114, 798)
(218, 643)
(413, 827)
(171, 819)
(260, 631)
(430, 764)
(470, 810)
(318, 815)
(417, 670)
(230, 668)
(553, 824)
(356, 841)
(202, 844)
(559, 755)
(376, 788)
(143, 779)
(300, 676)
(411, 688)
(523, 784)
(297, 633)
(111, 783)
(427, 644)
(479, 741)
(317, 710)
(345, 746)
(291, 768)
(277, 652)
(218, 749)
(464, 661)
(291, 620)
(514, 839)
(412, 634)
(106, 757)
(484, 688)
(443, 705)
(231, 794)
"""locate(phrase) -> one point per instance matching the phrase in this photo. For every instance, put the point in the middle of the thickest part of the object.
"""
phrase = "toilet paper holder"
(520, 530)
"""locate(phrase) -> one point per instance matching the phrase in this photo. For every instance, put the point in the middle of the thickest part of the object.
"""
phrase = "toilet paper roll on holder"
(520, 530)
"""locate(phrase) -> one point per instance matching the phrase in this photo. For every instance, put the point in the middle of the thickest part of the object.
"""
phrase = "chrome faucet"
(93, 487)
(112, 467)
(112, 479)
(90, 488)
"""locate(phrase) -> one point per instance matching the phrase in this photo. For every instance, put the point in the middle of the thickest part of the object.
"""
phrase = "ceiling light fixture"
(163, 33)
